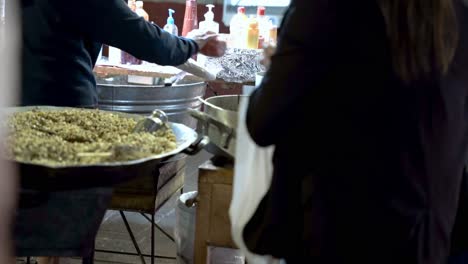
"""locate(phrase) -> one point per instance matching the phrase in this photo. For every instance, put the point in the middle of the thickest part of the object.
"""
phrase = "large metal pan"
(37, 176)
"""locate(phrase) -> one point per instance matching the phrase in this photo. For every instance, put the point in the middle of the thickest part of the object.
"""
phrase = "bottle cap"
(209, 16)
(241, 9)
(170, 19)
(261, 11)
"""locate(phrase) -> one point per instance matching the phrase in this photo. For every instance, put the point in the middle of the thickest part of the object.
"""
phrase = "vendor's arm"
(302, 59)
(113, 23)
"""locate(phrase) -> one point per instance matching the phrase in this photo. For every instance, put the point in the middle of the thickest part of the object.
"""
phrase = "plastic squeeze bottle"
(209, 24)
(238, 28)
(253, 34)
(263, 25)
(140, 11)
(273, 34)
(171, 26)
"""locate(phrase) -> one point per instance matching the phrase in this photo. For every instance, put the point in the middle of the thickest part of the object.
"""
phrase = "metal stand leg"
(153, 236)
(133, 254)
(153, 256)
(157, 226)
(132, 237)
(152, 239)
(89, 259)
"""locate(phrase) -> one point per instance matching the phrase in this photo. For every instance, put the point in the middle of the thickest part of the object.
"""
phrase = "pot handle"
(197, 146)
(203, 101)
(207, 119)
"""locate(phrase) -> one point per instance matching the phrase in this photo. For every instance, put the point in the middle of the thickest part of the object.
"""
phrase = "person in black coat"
(62, 40)
(366, 105)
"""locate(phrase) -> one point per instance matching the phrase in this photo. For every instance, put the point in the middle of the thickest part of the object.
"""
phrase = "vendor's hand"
(208, 43)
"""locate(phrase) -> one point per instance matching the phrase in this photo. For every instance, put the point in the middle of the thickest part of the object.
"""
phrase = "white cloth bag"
(252, 178)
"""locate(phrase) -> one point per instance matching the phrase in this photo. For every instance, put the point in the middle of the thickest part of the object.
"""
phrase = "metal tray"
(38, 176)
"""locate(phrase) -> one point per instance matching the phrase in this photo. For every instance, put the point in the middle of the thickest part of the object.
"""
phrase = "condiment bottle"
(140, 11)
(238, 28)
(171, 26)
(273, 34)
(190, 17)
(263, 25)
(253, 34)
(209, 24)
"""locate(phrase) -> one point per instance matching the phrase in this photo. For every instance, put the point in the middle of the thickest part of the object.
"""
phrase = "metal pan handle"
(197, 146)
(207, 119)
(205, 102)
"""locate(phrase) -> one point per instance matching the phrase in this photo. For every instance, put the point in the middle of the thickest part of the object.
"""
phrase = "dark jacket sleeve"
(303, 56)
(112, 22)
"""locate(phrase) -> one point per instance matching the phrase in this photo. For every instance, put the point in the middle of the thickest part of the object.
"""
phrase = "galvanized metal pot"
(116, 94)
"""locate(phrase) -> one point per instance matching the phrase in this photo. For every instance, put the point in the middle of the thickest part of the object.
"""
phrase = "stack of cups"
(247, 89)
(259, 78)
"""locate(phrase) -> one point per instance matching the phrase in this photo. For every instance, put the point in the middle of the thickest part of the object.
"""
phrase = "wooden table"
(156, 71)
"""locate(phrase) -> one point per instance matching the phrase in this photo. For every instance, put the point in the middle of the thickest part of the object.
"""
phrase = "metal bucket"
(116, 94)
(184, 232)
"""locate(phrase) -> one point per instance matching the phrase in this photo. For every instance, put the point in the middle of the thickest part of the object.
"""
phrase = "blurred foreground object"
(8, 83)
